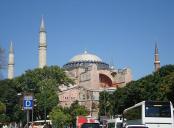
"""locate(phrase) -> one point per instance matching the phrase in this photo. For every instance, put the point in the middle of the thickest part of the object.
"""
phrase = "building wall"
(90, 82)
(68, 96)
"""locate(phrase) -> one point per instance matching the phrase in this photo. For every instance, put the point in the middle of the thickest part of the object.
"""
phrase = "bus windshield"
(157, 111)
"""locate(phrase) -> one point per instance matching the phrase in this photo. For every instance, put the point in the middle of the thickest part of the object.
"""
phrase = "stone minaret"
(42, 45)
(157, 61)
(11, 62)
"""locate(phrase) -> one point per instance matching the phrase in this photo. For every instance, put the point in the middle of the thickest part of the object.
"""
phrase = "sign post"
(28, 102)
(28, 105)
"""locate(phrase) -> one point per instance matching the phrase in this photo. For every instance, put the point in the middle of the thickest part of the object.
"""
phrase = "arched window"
(105, 81)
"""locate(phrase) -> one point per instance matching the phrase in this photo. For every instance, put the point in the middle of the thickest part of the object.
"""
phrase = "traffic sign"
(28, 102)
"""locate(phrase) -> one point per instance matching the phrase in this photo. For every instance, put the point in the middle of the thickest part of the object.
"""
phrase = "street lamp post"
(45, 107)
(20, 106)
(45, 112)
(43, 87)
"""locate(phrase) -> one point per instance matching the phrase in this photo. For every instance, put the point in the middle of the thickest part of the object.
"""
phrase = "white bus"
(153, 114)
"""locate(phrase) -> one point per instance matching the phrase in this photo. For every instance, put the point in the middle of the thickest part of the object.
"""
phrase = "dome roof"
(85, 57)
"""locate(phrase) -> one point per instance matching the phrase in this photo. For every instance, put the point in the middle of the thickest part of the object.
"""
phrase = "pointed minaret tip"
(157, 61)
(156, 48)
(42, 26)
(11, 47)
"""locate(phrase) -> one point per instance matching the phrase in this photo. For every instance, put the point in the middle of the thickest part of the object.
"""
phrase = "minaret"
(11, 62)
(156, 62)
(42, 45)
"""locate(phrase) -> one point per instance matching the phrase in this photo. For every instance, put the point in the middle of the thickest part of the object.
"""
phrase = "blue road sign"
(28, 102)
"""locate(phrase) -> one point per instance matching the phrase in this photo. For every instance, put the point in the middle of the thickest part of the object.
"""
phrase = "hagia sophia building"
(91, 75)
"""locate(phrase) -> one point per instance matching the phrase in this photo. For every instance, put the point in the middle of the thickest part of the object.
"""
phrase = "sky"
(121, 32)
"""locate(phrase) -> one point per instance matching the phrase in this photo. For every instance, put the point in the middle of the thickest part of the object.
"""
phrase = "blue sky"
(121, 32)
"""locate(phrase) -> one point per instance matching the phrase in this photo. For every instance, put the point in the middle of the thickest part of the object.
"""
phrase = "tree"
(47, 98)
(105, 108)
(59, 117)
(4, 118)
(2, 107)
(67, 116)
(169, 80)
(76, 110)
(43, 83)
(9, 99)
(156, 86)
(117, 101)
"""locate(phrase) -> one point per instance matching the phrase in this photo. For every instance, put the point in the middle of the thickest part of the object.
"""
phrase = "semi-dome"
(85, 57)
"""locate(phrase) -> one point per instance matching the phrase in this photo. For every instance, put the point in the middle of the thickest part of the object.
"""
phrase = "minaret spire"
(11, 62)
(42, 45)
(42, 26)
(157, 61)
(11, 47)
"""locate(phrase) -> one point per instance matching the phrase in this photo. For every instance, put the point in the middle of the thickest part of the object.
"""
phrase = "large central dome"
(84, 60)
(85, 57)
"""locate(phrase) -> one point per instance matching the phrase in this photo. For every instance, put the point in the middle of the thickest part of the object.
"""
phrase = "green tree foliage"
(47, 97)
(67, 116)
(169, 80)
(156, 86)
(76, 110)
(2, 108)
(104, 104)
(4, 118)
(33, 79)
(59, 117)
(8, 96)
(42, 83)
(117, 103)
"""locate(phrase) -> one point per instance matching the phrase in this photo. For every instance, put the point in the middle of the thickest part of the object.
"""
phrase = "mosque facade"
(91, 75)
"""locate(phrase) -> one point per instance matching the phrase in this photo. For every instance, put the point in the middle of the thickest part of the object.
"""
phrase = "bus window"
(158, 111)
(134, 114)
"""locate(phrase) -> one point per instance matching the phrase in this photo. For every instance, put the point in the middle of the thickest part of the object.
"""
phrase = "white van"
(136, 126)
(114, 123)
(39, 123)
